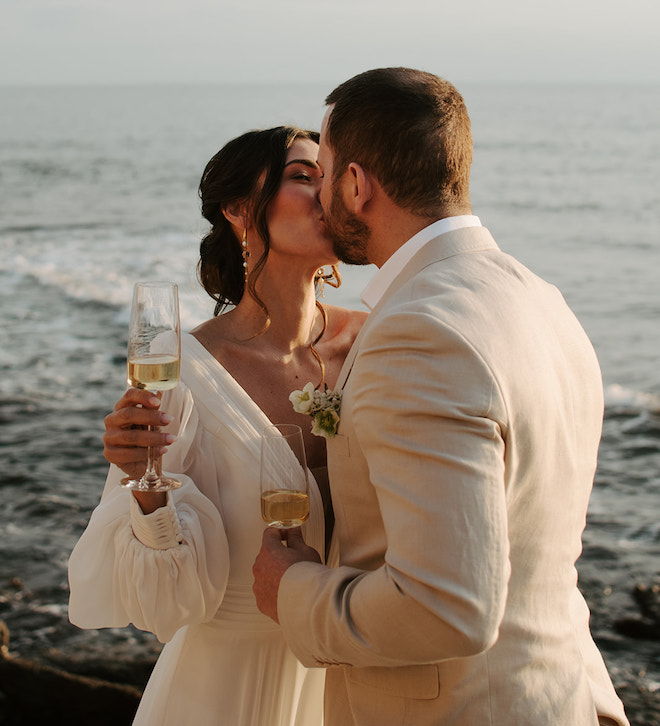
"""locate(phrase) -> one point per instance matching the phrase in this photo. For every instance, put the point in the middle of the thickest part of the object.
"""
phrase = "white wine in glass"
(284, 482)
(154, 355)
(154, 372)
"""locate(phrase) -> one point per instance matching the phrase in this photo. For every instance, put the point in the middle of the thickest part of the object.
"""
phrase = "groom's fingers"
(273, 560)
(273, 537)
(294, 538)
(288, 545)
(296, 544)
(267, 571)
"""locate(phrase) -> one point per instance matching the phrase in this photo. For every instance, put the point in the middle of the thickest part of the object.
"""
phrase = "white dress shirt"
(384, 277)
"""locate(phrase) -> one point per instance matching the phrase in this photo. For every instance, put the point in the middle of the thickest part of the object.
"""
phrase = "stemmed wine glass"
(154, 355)
(284, 483)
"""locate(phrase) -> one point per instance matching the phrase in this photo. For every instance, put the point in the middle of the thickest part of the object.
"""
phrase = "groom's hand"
(273, 560)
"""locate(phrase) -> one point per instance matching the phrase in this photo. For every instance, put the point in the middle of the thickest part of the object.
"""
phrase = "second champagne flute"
(154, 355)
(284, 482)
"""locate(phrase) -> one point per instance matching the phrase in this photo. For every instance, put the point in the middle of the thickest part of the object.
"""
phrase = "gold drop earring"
(246, 254)
(333, 279)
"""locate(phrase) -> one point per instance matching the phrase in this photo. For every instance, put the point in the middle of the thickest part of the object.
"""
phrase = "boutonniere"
(323, 406)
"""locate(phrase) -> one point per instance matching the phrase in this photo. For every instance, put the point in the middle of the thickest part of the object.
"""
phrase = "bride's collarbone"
(266, 374)
(269, 380)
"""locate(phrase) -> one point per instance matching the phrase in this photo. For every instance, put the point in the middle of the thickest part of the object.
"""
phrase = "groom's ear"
(361, 186)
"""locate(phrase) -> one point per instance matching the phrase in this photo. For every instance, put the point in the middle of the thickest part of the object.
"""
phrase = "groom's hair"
(411, 130)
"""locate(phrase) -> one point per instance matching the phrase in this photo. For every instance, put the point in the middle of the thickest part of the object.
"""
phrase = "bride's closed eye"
(303, 170)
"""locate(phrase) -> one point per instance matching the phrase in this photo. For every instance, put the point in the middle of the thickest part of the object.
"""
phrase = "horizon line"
(330, 82)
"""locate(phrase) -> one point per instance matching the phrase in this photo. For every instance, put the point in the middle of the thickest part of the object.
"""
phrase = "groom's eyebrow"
(305, 162)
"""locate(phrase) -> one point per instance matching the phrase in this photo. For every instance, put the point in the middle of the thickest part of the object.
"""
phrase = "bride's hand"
(126, 436)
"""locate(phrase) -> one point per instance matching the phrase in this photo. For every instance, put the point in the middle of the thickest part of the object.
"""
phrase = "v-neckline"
(212, 361)
(201, 355)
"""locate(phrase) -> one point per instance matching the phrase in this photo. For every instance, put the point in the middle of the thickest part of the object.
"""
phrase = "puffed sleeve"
(159, 571)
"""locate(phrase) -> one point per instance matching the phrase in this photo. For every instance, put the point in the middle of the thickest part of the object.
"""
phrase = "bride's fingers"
(138, 397)
(127, 435)
(129, 418)
(132, 459)
(122, 456)
(132, 462)
(138, 437)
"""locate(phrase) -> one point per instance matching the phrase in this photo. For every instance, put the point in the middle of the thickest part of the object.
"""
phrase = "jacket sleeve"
(429, 419)
(158, 572)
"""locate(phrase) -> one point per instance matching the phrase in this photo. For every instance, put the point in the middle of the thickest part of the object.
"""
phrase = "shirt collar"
(384, 277)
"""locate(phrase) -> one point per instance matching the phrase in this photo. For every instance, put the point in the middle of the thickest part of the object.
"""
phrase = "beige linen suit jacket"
(460, 475)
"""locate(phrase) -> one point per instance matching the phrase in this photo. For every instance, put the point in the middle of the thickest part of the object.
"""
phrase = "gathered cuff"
(159, 530)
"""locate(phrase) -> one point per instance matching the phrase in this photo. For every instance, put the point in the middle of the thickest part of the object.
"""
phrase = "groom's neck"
(392, 226)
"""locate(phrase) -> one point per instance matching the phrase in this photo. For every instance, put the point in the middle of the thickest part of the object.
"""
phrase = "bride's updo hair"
(247, 173)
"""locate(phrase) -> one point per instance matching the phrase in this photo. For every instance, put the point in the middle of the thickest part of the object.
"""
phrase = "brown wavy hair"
(231, 178)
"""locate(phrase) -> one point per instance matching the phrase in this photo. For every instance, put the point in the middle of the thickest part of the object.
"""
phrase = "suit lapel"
(457, 242)
(443, 247)
(350, 358)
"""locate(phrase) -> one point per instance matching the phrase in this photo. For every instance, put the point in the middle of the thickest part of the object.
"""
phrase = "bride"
(179, 564)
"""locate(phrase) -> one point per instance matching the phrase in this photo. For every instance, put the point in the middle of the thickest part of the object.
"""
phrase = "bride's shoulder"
(346, 316)
(345, 323)
(217, 335)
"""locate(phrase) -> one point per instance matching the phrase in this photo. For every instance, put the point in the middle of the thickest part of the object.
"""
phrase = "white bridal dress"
(185, 571)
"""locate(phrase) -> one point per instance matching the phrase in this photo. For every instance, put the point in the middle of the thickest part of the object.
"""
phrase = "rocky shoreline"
(33, 692)
(69, 683)
(642, 704)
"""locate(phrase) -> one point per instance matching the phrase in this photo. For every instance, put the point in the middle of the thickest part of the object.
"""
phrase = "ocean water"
(99, 190)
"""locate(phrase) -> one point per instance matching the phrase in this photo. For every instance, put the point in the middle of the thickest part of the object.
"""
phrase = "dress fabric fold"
(223, 663)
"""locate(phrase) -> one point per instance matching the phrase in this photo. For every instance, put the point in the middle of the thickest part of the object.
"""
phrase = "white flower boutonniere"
(322, 406)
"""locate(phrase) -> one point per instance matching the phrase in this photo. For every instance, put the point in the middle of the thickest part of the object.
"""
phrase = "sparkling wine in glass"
(154, 355)
(284, 483)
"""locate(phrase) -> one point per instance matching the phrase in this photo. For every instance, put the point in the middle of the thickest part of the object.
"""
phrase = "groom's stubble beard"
(350, 236)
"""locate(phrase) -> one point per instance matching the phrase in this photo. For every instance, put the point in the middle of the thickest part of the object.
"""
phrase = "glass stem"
(154, 463)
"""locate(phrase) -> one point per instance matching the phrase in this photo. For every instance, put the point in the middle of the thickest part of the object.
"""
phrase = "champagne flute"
(284, 483)
(154, 354)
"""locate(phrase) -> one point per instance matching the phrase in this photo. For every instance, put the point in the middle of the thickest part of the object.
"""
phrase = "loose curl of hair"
(232, 178)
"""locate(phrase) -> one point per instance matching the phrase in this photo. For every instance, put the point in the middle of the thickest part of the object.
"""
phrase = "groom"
(464, 459)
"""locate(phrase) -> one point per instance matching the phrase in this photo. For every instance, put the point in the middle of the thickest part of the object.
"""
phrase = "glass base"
(150, 484)
(286, 523)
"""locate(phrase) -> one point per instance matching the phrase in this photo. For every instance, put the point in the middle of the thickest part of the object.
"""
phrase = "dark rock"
(35, 693)
(647, 598)
(637, 628)
(648, 601)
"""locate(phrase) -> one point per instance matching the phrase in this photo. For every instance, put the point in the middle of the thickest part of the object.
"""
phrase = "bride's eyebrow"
(304, 162)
